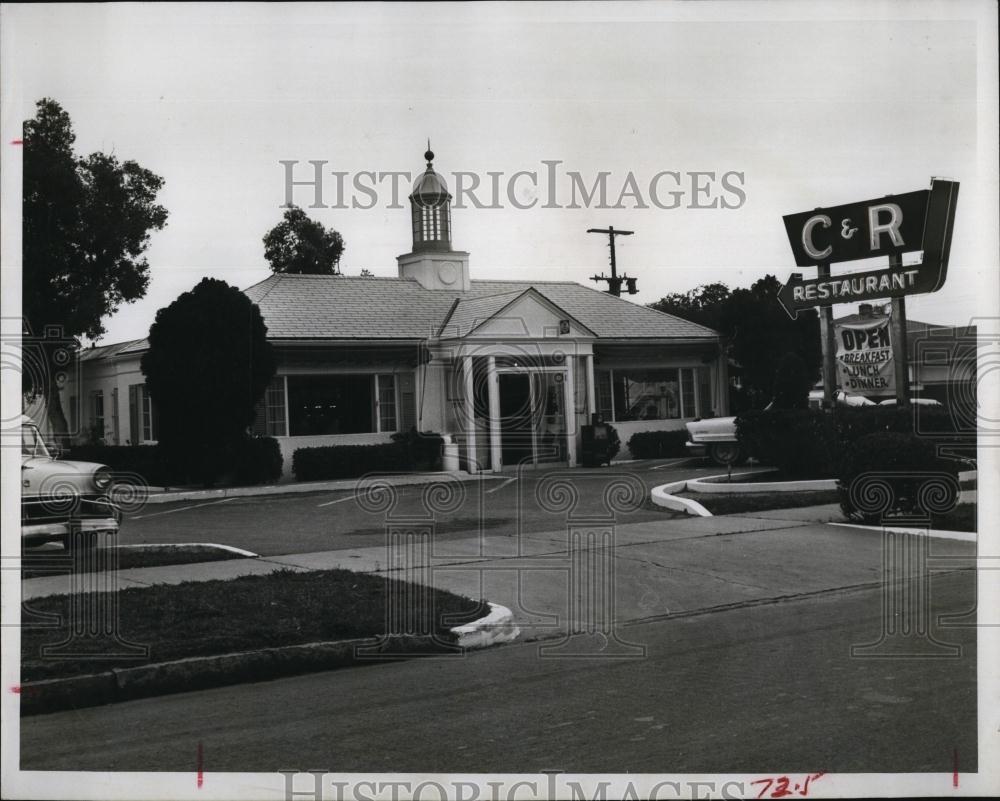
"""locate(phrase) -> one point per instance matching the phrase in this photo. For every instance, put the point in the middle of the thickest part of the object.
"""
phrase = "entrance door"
(515, 418)
(549, 417)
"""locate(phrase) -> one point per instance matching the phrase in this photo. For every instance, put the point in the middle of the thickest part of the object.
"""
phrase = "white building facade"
(509, 371)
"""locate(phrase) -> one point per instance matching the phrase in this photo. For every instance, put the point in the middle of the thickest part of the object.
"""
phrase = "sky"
(813, 104)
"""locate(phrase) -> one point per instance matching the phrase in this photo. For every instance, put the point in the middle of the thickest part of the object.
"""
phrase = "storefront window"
(341, 404)
(652, 394)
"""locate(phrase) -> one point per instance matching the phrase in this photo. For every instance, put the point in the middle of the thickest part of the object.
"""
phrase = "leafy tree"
(775, 355)
(761, 334)
(792, 382)
(702, 305)
(86, 225)
(300, 245)
(208, 364)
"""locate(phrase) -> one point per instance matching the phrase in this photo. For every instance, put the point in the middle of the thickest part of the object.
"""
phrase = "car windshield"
(32, 443)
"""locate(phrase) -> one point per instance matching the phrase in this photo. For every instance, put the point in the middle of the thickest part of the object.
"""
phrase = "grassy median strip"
(725, 503)
(961, 518)
(219, 617)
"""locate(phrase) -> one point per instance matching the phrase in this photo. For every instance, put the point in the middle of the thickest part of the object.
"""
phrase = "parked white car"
(914, 401)
(61, 498)
(715, 437)
(842, 399)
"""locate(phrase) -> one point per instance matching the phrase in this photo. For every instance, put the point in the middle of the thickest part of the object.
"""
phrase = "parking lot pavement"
(560, 580)
(305, 523)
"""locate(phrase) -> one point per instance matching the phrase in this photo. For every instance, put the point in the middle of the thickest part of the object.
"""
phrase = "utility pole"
(614, 280)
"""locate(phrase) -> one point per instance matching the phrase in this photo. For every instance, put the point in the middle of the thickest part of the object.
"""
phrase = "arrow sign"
(935, 227)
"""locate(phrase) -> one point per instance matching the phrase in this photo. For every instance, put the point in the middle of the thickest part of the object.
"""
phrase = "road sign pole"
(828, 345)
(899, 344)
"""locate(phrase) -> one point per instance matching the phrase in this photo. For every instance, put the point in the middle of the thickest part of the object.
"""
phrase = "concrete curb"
(497, 627)
(943, 534)
(663, 496)
(295, 488)
(204, 672)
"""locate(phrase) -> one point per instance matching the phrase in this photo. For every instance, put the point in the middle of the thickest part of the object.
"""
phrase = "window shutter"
(407, 401)
(135, 434)
(259, 426)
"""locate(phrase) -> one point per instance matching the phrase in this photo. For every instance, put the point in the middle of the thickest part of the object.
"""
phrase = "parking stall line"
(338, 500)
(181, 509)
(672, 463)
(501, 486)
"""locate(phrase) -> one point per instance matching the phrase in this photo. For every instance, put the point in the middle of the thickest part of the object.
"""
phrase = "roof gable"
(516, 314)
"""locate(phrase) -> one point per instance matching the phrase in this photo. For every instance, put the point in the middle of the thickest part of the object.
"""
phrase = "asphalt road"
(768, 688)
(324, 521)
(730, 679)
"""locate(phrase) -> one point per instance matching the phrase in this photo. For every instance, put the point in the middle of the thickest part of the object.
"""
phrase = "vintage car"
(715, 437)
(62, 501)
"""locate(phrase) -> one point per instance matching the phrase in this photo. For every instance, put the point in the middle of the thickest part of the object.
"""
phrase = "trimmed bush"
(897, 472)
(408, 451)
(255, 460)
(811, 443)
(802, 443)
(658, 444)
(423, 449)
(142, 460)
(258, 461)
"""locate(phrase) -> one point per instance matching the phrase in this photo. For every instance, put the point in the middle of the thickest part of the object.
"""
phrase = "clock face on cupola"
(432, 262)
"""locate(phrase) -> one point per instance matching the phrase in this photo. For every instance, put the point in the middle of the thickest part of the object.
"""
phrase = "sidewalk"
(161, 495)
(460, 565)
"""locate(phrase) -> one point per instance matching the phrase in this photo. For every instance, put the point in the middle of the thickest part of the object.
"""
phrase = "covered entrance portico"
(516, 406)
(518, 380)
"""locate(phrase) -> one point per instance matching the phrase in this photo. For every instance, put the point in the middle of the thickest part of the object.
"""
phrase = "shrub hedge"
(256, 460)
(905, 476)
(408, 451)
(811, 443)
(658, 444)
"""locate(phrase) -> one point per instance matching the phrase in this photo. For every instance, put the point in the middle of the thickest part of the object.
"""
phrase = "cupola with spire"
(432, 262)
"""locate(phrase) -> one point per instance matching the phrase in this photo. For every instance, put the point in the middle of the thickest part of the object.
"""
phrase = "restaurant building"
(507, 370)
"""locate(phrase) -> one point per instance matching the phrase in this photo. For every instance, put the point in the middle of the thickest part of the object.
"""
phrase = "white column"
(591, 391)
(496, 462)
(470, 417)
(568, 379)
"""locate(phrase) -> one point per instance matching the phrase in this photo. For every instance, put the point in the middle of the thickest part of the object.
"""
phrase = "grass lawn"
(733, 503)
(36, 562)
(219, 617)
(961, 518)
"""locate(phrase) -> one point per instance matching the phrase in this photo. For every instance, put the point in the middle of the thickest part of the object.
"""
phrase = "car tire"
(725, 454)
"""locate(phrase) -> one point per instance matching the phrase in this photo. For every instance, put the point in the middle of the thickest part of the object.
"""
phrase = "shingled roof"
(352, 307)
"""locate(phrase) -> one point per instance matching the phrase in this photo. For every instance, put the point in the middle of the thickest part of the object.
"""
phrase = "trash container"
(594, 441)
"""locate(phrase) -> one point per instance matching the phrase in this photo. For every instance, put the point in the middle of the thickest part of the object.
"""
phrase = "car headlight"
(102, 479)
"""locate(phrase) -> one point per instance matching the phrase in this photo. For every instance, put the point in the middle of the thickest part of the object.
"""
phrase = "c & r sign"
(882, 227)
(888, 226)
